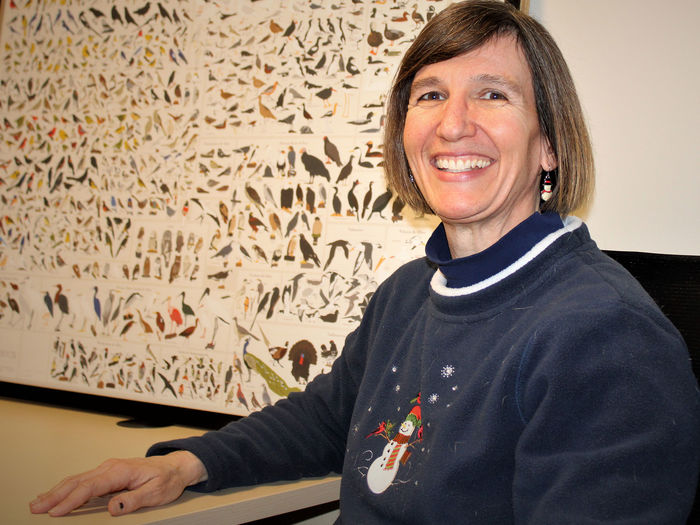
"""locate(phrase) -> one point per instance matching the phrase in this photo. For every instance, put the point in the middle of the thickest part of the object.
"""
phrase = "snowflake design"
(447, 371)
(433, 398)
(394, 369)
(397, 388)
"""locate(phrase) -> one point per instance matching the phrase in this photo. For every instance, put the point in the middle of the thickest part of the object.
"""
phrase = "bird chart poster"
(192, 203)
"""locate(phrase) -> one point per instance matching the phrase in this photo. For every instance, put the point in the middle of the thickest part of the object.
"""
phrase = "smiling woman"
(516, 374)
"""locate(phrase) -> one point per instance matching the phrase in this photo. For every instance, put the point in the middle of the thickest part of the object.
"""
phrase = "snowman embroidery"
(383, 470)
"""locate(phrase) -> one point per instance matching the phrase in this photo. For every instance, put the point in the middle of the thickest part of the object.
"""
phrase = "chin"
(457, 211)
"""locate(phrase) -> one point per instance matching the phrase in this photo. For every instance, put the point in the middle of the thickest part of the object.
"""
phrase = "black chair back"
(673, 281)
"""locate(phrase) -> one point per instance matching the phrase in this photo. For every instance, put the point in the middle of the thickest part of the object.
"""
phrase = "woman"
(516, 374)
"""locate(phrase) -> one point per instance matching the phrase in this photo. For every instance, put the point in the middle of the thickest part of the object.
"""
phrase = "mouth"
(461, 164)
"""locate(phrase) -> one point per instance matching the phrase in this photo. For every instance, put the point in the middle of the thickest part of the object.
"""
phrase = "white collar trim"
(439, 281)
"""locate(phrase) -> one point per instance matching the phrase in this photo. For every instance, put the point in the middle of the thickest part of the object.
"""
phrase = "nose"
(456, 120)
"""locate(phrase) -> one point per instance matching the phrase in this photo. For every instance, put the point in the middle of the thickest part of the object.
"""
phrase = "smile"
(460, 164)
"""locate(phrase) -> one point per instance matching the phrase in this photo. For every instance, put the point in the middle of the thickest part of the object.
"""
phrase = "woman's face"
(472, 137)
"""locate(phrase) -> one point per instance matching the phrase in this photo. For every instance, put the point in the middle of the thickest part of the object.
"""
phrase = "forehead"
(499, 58)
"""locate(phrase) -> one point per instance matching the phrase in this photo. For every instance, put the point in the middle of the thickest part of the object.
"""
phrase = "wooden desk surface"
(40, 445)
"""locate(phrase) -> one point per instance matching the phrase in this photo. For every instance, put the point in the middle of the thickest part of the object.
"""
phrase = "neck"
(467, 239)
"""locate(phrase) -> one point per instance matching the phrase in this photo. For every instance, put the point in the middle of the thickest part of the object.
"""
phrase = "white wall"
(635, 63)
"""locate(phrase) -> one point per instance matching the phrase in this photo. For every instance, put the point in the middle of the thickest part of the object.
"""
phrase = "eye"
(429, 98)
(494, 95)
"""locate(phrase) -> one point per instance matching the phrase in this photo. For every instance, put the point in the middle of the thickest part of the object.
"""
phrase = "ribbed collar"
(467, 271)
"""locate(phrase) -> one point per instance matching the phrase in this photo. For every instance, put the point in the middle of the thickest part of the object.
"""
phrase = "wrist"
(190, 466)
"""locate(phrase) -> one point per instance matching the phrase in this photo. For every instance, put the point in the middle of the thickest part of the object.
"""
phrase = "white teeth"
(460, 164)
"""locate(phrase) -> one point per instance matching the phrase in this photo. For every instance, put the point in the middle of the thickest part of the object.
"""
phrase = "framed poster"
(192, 204)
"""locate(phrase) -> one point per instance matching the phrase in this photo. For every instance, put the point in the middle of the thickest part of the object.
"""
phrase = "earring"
(547, 186)
(410, 176)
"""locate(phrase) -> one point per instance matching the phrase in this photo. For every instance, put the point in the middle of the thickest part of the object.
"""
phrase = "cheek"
(413, 135)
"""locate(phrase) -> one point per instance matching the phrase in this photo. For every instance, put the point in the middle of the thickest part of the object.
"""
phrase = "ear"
(548, 160)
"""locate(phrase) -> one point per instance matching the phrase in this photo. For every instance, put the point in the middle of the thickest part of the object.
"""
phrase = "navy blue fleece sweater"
(549, 389)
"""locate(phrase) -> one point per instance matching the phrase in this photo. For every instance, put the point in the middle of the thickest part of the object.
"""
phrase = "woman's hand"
(148, 482)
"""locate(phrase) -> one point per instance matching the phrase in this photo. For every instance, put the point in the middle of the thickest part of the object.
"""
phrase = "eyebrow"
(483, 78)
(498, 80)
(424, 83)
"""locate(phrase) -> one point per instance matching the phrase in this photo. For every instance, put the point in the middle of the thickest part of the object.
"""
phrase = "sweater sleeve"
(302, 435)
(611, 421)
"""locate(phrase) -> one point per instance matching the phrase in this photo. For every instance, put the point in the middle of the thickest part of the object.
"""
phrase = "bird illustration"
(291, 161)
(340, 243)
(210, 344)
(167, 385)
(261, 306)
(228, 377)
(372, 152)
(351, 68)
(314, 166)
(275, 224)
(254, 197)
(331, 151)
(417, 17)
(330, 317)
(255, 223)
(367, 200)
(392, 34)
(307, 251)
(292, 224)
(266, 396)
(278, 352)
(310, 200)
(187, 332)
(62, 302)
(337, 205)
(160, 322)
(291, 248)
(380, 203)
(225, 251)
(352, 200)
(242, 332)
(175, 268)
(345, 171)
(325, 94)
(290, 29)
(374, 39)
(364, 256)
(286, 198)
(274, 298)
(275, 27)
(186, 308)
(264, 110)
(302, 355)
(174, 314)
(241, 397)
(147, 329)
(96, 304)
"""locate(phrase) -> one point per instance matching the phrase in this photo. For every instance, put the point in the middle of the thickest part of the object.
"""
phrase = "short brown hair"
(463, 27)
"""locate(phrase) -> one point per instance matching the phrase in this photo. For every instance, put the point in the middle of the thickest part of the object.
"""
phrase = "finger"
(51, 498)
(150, 494)
(74, 491)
